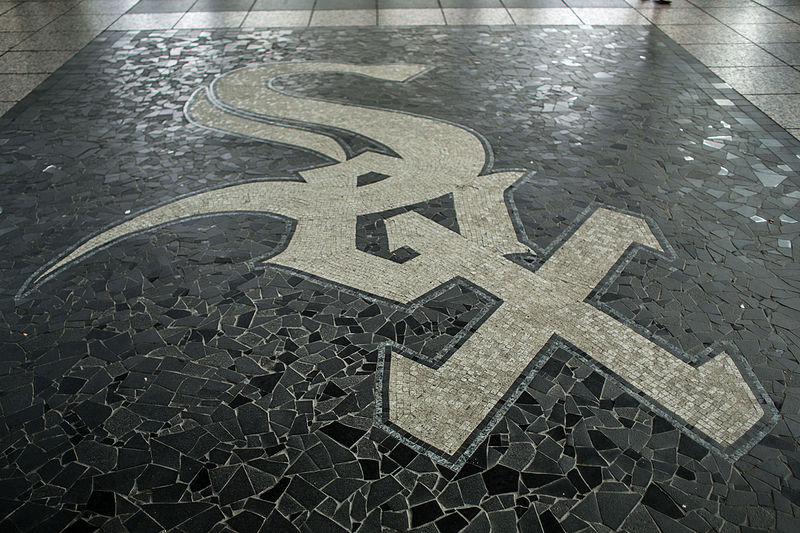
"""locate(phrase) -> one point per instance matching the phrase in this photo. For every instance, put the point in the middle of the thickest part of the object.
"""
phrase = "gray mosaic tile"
(171, 380)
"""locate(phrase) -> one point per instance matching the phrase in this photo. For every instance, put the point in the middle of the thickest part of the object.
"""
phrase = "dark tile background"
(165, 382)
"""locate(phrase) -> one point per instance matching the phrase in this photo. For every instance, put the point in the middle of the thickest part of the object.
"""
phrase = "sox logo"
(447, 408)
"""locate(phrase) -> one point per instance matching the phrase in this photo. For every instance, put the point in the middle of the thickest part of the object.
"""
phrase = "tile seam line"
(683, 45)
(572, 9)
(71, 9)
(510, 16)
(739, 33)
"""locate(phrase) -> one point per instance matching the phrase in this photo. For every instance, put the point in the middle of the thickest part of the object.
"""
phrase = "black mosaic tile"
(169, 382)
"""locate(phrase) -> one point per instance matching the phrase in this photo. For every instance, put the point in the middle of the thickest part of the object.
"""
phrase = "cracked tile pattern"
(171, 381)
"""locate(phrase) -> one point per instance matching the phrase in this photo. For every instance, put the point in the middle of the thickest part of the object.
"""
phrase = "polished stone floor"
(752, 45)
(399, 265)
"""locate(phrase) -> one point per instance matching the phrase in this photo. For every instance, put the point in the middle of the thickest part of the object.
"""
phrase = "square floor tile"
(5, 6)
(522, 4)
(596, 3)
(50, 40)
(276, 19)
(470, 4)
(84, 22)
(745, 15)
(733, 55)
(9, 22)
(146, 21)
(283, 5)
(769, 33)
(15, 86)
(408, 4)
(544, 15)
(205, 6)
(488, 16)
(345, 17)
(162, 6)
(652, 5)
(760, 80)
(51, 9)
(701, 33)
(791, 12)
(613, 15)
(677, 16)
(32, 62)
(782, 108)
(410, 17)
(8, 39)
(112, 7)
(722, 3)
(212, 19)
(789, 52)
(346, 4)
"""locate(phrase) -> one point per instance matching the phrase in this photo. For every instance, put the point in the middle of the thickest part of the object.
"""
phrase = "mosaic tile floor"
(753, 45)
(434, 278)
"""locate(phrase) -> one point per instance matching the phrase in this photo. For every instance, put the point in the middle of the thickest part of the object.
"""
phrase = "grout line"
(180, 18)
(311, 15)
(781, 14)
(503, 5)
(509, 15)
(574, 13)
